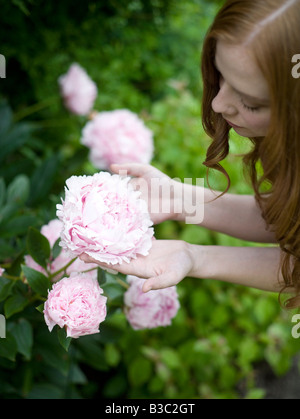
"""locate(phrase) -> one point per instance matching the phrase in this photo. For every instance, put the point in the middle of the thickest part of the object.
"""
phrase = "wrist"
(187, 202)
(195, 254)
(202, 261)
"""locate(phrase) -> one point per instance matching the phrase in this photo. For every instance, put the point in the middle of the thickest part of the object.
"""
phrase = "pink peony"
(52, 232)
(117, 136)
(78, 90)
(152, 309)
(104, 217)
(76, 303)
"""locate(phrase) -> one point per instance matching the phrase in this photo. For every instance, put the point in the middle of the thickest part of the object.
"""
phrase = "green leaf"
(140, 371)
(38, 247)
(37, 281)
(42, 180)
(8, 347)
(50, 350)
(114, 292)
(101, 276)
(18, 190)
(91, 352)
(63, 339)
(14, 304)
(40, 308)
(56, 249)
(23, 334)
(6, 117)
(112, 355)
(2, 192)
(6, 286)
(45, 391)
(17, 225)
(6, 250)
(18, 135)
(170, 357)
(8, 211)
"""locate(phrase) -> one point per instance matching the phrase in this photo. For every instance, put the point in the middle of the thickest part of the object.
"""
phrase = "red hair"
(270, 28)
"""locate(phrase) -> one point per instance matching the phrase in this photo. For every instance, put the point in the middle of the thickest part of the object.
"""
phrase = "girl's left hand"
(168, 262)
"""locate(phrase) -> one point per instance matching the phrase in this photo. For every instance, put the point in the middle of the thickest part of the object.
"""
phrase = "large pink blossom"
(52, 232)
(78, 90)
(117, 136)
(104, 217)
(152, 309)
(76, 303)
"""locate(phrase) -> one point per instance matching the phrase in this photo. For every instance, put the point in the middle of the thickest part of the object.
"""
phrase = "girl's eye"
(250, 108)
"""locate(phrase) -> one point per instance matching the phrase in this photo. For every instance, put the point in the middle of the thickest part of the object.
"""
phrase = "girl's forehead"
(238, 67)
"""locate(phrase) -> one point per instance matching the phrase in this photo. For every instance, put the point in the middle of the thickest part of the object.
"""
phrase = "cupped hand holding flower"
(168, 262)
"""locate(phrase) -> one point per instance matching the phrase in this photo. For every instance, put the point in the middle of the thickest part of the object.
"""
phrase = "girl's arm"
(255, 267)
(235, 215)
(170, 261)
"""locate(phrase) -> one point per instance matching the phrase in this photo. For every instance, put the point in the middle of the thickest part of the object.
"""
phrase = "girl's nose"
(224, 101)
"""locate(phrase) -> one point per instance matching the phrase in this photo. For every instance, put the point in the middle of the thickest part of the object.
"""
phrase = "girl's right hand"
(156, 188)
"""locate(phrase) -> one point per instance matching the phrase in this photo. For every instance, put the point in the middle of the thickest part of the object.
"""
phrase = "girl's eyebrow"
(244, 95)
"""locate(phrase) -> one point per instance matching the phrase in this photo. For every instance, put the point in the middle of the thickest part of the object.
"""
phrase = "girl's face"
(243, 98)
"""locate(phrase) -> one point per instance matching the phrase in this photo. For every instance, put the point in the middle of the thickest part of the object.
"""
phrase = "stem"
(89, 270)
(123, 283)
(13, 278)
(64, 268)
(33, 108)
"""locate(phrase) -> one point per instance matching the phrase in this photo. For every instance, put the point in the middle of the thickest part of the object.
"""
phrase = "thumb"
(159, 282)
(132, 169)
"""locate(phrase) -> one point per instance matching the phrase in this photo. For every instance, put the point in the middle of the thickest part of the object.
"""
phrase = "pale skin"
(243, 100)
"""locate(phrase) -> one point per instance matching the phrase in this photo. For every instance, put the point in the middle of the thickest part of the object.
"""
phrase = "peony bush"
(100, 215)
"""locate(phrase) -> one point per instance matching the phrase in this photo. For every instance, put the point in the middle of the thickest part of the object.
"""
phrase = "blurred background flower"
(152, 309)
(117, 136)
(78, 90)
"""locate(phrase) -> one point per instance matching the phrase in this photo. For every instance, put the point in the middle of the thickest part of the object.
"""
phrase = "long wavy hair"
(271, 29)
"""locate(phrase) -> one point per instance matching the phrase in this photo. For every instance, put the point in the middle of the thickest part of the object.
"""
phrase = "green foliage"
(143, 55)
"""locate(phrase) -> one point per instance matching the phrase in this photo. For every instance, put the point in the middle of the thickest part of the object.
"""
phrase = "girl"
(248, 87)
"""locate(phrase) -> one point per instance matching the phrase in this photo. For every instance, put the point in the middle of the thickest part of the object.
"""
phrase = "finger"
(110, 268)
(86, 258)
(132, 169)
(159, 282)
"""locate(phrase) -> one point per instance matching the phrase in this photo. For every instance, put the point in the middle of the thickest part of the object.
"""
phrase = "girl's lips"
(231, 124)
